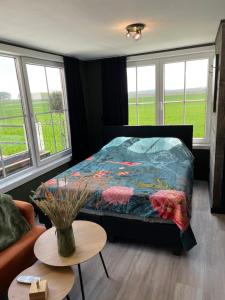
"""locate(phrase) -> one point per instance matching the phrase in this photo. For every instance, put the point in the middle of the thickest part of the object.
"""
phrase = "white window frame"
(159, 59)
(38, 167)
(52, 157)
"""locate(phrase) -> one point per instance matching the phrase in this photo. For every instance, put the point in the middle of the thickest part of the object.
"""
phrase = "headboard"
(183, 132)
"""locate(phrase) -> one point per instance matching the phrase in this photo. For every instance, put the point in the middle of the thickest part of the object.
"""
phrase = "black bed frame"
(118, 228)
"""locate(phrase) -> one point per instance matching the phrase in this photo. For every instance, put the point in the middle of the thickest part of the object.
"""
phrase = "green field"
(11, 108)
(175, 113)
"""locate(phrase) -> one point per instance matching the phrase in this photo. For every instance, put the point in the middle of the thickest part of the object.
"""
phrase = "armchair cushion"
(18, 257)
(27, 210)
(12, 224)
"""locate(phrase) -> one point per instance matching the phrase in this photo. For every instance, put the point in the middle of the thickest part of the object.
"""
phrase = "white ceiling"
(91, 29)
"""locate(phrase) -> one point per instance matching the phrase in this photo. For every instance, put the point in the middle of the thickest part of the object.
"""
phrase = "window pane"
(131, 79)
(133, 114)
(196, 80)
(173, 113)
(174, 93)
(49, 109)
(146, 95)
(174, 81)
(14, 150)
(38, 88)
(196, 75)
(146, 114)
(131, 86)
(55, 89)
(146, 84)
(12, 136)
(195, 114)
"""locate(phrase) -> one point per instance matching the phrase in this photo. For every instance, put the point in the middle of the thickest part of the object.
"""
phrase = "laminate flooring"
(141, 272)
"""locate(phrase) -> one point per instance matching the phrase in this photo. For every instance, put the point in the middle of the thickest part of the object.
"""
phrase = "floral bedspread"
(144, 178)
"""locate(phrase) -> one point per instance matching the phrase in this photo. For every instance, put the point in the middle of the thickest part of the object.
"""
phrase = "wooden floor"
(143, 273)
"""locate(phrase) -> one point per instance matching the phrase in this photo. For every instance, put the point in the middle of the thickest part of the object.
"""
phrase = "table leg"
(106, 272)
(81, 282)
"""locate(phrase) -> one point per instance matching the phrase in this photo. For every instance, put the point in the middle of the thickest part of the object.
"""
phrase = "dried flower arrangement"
(61, 204)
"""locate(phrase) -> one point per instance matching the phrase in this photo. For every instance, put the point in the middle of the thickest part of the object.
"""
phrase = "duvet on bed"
(149, 179)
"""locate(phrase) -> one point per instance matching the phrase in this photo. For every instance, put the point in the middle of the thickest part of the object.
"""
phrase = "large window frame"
(38, 166)
(26, 60)
(159, 60)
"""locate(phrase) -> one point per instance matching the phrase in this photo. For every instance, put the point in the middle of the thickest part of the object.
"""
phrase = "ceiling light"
(134, 31)
(128, 35)
(137, 35)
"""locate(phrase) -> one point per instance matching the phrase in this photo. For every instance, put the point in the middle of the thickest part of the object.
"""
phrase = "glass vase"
(66, 241)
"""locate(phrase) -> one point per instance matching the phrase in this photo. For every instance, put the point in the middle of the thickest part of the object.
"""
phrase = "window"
(171, 91)
(14, 149)
(49, 108)
(34, 128)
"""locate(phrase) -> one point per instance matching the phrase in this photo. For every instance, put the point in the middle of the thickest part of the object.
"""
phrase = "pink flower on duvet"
(75, 174)
(90, 157)
(117, 195)
(59, 182)
(130, 163)
(52, 182)
(171, 205)
(126, 163)
(122, 173)
(101, 173)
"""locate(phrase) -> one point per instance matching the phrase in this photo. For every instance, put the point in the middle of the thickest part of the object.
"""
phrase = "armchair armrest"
(26, 210)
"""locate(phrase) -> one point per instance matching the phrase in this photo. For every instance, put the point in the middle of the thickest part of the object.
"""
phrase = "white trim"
(201, 146)
(32, 128)
(171, 53)
(19, 178)
(26, 111)
(20, 51)
(36, 153)
(41, 62)
(65, 98)
(209, 104)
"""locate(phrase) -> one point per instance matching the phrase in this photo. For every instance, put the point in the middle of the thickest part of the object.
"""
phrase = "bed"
(141, 185)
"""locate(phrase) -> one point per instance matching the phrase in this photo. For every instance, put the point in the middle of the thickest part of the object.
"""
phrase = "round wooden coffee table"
(60, 282)
(90, 239)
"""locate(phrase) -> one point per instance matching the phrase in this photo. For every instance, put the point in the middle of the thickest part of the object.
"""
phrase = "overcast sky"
(36, 75)
(196, 76)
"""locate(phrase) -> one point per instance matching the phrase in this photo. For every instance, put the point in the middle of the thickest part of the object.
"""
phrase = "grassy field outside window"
(8, 133)
(193, 112)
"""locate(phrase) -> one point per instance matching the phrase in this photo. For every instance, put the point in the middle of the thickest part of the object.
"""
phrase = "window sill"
(201, 146)
(28, 174)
